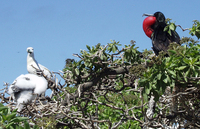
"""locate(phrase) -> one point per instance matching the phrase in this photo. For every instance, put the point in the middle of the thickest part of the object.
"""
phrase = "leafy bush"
(10, 120)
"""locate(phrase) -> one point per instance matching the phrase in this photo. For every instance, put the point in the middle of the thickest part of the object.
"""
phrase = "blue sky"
(57, 29)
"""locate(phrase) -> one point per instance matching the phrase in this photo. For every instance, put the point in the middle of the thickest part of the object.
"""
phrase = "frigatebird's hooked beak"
(145, 14)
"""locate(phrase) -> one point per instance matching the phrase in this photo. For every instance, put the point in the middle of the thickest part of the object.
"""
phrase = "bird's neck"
(30, 57)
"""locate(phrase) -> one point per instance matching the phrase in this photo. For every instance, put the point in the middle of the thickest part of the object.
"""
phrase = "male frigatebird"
(153, 27)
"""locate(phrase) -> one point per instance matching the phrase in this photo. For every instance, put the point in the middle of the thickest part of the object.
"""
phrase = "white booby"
(34, 67)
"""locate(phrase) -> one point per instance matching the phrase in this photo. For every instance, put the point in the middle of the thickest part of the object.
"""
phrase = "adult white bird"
(25, 88)
(34, 67)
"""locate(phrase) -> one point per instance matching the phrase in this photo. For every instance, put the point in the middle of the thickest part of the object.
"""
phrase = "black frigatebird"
(153, 27)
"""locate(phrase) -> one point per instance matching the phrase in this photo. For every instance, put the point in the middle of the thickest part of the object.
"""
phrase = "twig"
(182, 28)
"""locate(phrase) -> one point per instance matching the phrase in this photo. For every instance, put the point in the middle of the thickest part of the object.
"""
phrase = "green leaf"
(26, 125)
(10, 116)
(172, 51)
(15, 110)
(172, 26)
(166, 28)
(10, 125)
(3, 108)
(187, 74)
(181, 68)
(166, 80)
(3, 117)
(114, 49)
(169, 31)
(187, 61)
(88, 47)
(77, 71)
(145, 96)
(147, 91)
(159, 76)
(19, 119)
(172, 72)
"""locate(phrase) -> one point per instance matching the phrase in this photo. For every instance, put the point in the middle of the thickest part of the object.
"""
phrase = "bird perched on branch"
(26, 88)
(153, 27)
(34, 67)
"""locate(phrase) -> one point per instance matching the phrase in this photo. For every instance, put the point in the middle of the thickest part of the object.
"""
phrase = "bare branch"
(182, 28)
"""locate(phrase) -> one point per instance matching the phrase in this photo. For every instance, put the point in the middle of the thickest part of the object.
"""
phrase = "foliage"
(178, 76)
(195, 30)
(47, 122)
(182, 64)
(9, 120)
(111, 97)
(170, 26)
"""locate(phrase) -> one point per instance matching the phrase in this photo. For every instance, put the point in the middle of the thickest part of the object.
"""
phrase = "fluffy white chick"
(25, 88)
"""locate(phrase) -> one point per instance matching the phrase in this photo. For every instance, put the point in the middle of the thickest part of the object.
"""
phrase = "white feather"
(33, 65)
(26, 87)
